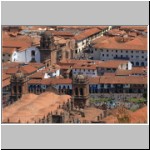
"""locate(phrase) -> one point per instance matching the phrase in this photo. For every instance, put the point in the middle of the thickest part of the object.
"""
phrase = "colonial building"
(132, 49)
(55, 48)
(84, 38)
(18, 51)
(92, 68)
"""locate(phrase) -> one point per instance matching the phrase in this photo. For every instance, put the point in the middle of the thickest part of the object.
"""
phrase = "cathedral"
(55, 48)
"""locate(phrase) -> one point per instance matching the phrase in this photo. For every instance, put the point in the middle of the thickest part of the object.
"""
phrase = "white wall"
(25, 56)
(54, 74)
(133, 55)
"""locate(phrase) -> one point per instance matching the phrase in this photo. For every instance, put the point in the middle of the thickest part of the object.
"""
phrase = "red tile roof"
(37, 65)
(5, 76)
(112, 63)
(123, 80)
(27, 69)
(5, 82)
(138, 43)
(135, 70)
(8, 50)
(59, 33)
(87, 33)
(141, 28)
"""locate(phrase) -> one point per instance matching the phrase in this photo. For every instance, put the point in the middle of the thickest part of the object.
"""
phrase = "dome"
(80, 77)
(19, 74)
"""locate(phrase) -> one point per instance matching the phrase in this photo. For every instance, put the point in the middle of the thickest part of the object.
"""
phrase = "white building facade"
(26, 55)
(83, 42)
(136, 57)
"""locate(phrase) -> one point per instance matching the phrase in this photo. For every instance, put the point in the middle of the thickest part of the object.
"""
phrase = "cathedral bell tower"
(47, 46)
(80, 90)
(18, 85)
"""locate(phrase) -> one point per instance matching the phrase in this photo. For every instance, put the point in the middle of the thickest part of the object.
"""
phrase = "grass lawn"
(137, 100)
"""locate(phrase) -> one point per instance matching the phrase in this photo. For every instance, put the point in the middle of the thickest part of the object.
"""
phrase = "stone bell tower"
(80, 90)
(47, 48)
(18, 85)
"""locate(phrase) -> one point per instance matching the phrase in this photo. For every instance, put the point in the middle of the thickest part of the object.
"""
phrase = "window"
(126, 51)
(32, 53)
(131, 51)
(3, 54)
(116, 51)
(9, 55)
(142, 56)
(142, 64)
(76, 91)
(142, 52)
(131, 56)
(107, 50)
(76, 51)
(137, 63)
(107, 55)
(81, 91)
(121, 51)
(103, 55)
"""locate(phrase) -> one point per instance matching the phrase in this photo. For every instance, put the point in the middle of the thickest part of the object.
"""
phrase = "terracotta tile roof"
(87, 33)
(135, 70)
(15, 43)
(5, 82)
(123, 80)
(49, 81)
(59, 33)
(112, 63)
(109, 74)
(8, 50)
(138, 43)
(34, 81)
(36, 75)
(90, 64)
(37, 65)
(5, 76)
(134, 28)
(7, 65)
(116, 32)
(27, 69)
(11, 71)
(94, 80)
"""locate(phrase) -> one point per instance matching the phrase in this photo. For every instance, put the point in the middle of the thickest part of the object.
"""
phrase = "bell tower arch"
(80, 90)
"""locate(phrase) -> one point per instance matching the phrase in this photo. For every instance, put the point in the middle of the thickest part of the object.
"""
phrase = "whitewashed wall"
(134, 56)
(25, 56)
